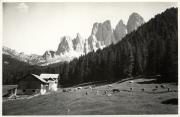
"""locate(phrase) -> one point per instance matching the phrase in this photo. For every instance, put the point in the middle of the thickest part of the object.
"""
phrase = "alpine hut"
(52, 80)
(31, 84)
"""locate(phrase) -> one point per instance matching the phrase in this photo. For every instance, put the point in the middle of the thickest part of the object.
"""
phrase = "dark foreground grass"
(78, 103)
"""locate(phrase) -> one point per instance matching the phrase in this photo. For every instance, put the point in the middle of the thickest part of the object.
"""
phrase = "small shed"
(9, 90)
(52, 80)
(32, 84)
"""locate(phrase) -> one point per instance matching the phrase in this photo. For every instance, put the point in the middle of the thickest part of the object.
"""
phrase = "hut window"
(33, 90)
(24, 90)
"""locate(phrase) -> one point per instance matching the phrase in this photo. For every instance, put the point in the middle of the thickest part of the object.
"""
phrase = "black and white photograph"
(89, 58)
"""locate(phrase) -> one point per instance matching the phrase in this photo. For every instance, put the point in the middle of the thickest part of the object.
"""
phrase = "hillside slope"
(151, 49)
(14, 69)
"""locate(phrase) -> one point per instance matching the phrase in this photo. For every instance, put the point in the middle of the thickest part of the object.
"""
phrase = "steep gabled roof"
(47, 76)
(43, 77)
(39, 78)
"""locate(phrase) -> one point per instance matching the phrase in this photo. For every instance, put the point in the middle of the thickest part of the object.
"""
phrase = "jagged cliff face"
(49, 55)
(103, 32)
(65, 46)
(92, 43)
(78, 43)
(120, 31)
(135, 20)
(102, 35)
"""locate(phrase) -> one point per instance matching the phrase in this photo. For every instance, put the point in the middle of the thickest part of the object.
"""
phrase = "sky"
(33, 28)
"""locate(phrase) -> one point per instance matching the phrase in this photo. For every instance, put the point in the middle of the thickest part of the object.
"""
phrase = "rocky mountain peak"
(78, 43)
(31, 59)
(92, 41)
(8, 51)
(78, 36)
(107, 24)
(103, 32)
(134, 21)
(102, 35)
(65, 45)
(95, 28)
(49, 54)
(120, 31)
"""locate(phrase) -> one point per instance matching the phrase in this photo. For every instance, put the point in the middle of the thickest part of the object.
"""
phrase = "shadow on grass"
(101, 83)
(154, 81)
(96, 83)
(157, 81)
(93, 84)
(173, 101)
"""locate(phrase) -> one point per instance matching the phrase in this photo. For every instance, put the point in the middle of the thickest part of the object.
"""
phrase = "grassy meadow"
(78, 102)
